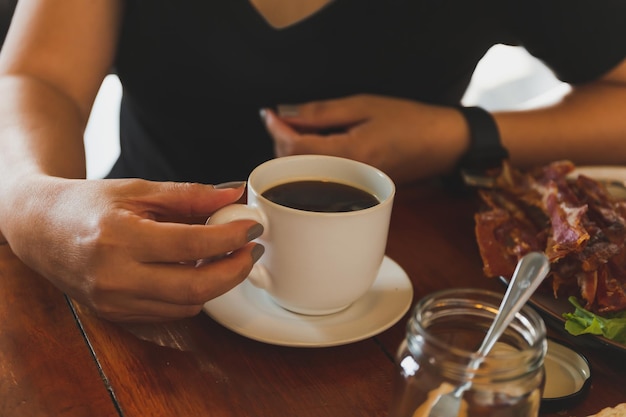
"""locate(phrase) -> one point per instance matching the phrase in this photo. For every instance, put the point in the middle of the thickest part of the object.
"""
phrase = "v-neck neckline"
(253, 17)
(320, 9)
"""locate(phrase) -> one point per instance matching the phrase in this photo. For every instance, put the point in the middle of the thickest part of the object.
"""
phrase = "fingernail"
(263, 114)
(255, 231)
(231, 184)
(257, 251)
(287, 110)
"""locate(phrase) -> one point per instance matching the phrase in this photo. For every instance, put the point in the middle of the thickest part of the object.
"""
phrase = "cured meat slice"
(576, 223)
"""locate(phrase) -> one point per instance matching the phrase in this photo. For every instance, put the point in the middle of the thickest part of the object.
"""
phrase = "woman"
(377, 81)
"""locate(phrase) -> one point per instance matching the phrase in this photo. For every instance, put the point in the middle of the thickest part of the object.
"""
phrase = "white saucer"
(251, 312)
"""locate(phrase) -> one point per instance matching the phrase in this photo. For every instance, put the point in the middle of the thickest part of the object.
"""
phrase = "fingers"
(151, 241)
(185, 199)
(320, 127)
(132, 225)
(288, 141)
(341, 112)
(189, 285)
(157, 292)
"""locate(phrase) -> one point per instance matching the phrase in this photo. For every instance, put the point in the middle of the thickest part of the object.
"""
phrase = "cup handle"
(259, 275)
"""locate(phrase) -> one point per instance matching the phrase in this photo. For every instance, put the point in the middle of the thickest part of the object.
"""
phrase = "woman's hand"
(408, 140)
(128, 248)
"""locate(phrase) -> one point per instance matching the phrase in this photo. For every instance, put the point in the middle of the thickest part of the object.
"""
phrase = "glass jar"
(444, 331)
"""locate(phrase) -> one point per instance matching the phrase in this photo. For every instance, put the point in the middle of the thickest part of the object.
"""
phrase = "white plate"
(613, 175)
(251, 312)
(552, 310)
(603, 172)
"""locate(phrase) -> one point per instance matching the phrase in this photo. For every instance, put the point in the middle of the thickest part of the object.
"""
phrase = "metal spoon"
(530, 271)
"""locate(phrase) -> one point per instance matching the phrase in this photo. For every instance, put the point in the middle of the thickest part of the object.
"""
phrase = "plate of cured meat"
(577, 217)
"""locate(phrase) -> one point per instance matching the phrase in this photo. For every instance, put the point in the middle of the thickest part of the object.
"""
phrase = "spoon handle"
(529, 273)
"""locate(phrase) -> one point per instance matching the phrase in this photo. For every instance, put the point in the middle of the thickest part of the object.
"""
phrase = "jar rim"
(527, 322)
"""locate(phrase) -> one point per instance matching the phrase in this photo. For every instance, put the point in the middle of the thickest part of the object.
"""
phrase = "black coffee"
(320, 196)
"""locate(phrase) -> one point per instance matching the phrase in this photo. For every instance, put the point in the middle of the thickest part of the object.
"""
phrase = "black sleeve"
(580, 40)
(6, 14)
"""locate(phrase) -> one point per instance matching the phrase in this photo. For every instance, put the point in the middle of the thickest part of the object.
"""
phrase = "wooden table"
(57, 359)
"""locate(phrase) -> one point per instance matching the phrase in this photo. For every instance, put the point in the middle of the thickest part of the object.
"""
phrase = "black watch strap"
(485, 151)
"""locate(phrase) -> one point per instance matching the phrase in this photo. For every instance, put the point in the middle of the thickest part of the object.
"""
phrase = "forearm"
(587, 127)
(41, 133)
(41, 130)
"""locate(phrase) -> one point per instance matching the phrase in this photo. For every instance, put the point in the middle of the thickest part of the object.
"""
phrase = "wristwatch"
(485, 151)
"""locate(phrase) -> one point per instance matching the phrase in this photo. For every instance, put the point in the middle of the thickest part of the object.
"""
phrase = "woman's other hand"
(406, 139)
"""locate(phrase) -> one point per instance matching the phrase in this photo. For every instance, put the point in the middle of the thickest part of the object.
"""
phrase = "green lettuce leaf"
(581, 321)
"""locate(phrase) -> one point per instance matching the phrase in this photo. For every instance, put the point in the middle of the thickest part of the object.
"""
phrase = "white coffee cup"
(316, 263)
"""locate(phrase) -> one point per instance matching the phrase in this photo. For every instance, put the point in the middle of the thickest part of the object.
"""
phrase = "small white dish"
(568, 377)
(567, 371)
(250, 312)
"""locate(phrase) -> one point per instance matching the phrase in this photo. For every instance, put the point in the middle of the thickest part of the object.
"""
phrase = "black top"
(196, 72)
